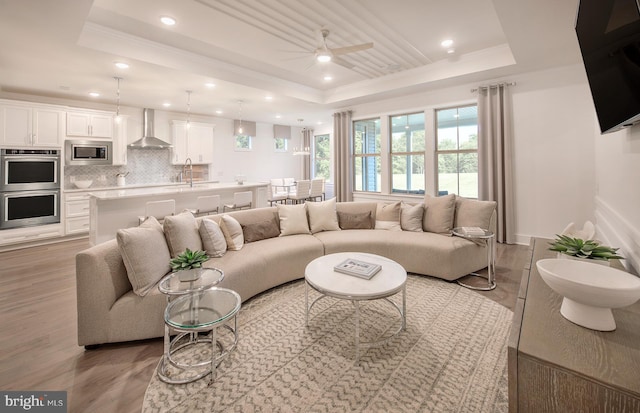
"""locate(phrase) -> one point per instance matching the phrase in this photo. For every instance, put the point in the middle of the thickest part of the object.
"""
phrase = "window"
(243, 143)
(407, 153)
(457, 150)
(321, 157)
(280, 144)
(366, 153)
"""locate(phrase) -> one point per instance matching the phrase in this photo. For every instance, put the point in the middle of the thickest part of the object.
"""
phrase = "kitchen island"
(112, 210)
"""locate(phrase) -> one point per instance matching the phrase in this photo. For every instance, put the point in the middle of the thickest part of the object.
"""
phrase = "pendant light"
(188, 125)
(304, 150)
(240, 116)
(118, 118)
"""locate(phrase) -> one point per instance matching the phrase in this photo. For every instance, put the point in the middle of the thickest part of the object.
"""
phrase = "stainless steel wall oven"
(29, 187)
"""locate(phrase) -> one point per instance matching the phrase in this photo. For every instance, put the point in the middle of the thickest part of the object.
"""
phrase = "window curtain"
(495, 156)
(342, 163)
(307, 136)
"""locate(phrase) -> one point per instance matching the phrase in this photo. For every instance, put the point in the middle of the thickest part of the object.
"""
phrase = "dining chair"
(317, 189)
(241, 200)
(278, 187)
(301, 192)
(276, 196)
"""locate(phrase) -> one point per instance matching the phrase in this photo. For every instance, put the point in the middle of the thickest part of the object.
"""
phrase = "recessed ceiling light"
(268, 97)
(447, 43)
(278, 116)
(166, 104)
(94, 94)
(219, 112)
(121, 65)
(210, 85)
(451, 51)
(319, 122)
(168, 21)
(328, 77)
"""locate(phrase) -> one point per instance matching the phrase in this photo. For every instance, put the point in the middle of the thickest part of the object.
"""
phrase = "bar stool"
(241, 200)
(158, 209)
(207, 205)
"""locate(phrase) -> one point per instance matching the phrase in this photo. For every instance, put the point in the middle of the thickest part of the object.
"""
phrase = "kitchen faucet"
(188, 161)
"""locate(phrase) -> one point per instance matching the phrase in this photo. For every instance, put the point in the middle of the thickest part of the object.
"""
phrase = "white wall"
(553, 144)
(617, 161)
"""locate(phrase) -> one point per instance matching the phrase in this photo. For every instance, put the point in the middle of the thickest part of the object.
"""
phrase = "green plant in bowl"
(189, 260)
(586, 249)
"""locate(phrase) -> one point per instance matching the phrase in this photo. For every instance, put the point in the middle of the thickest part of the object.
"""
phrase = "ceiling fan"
(325, 54)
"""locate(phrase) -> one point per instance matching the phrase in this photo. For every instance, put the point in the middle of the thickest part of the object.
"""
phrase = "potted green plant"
(576, 248)
(189, 263)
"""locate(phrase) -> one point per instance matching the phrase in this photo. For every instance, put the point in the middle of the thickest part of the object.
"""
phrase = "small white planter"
(189, 275)
(589, 291)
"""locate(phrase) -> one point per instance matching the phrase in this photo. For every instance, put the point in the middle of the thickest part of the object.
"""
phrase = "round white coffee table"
(391, 279)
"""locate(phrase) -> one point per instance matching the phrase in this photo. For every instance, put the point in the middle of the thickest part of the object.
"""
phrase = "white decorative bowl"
(82, 184)
(590, 291)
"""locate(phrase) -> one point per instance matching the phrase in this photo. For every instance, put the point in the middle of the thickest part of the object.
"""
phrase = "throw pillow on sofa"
(323, 216)
(474, 213)
(388, 217)
(293, 219)
(213, 241)
(411, 217)
(181, 232)
(232, 232)
(439, 213)
(145, 255)
(256, 231)
(355, 220)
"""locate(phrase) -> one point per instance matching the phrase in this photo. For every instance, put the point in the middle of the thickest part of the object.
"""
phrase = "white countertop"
(134, 192)
(148, 185)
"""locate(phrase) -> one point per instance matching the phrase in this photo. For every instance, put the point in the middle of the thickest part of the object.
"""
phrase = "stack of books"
(358, 268)
(472, 231)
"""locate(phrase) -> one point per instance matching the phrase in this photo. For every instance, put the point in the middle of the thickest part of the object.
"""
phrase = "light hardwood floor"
(38, 347)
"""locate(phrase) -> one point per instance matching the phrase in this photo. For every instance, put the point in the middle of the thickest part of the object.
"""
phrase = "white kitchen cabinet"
(76, 212)
(30, 234)
(120, 142)
(197, 144)
(90, 124)
(25, 125)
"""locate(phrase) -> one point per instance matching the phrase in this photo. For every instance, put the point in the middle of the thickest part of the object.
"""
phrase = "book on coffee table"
(358, 268)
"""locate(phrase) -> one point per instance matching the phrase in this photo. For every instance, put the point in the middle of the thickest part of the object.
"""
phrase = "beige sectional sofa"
(109, 310)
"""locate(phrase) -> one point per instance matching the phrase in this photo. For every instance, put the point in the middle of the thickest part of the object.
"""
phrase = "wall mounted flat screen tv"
(609, 35)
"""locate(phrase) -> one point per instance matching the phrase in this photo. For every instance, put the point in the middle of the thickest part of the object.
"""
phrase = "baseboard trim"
(613, 229)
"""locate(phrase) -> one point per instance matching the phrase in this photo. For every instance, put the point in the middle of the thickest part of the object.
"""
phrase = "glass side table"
(489, 238)
(189, 281)
(190, 314)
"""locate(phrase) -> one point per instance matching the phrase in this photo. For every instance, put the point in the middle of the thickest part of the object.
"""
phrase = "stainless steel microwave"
(86, 152)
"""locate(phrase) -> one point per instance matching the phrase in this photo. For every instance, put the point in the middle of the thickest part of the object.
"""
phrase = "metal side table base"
(489, 238)
(491, 286)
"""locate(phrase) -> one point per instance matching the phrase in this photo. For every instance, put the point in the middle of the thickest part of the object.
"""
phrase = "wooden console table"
(558, 366)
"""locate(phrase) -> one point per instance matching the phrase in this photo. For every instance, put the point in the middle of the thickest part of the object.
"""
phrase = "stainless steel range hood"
(148, 140)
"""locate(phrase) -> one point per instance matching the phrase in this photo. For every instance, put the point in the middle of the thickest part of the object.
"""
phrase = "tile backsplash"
(145, 166)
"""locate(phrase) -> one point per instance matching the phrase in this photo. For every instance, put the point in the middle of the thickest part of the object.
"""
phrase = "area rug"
(451, 358)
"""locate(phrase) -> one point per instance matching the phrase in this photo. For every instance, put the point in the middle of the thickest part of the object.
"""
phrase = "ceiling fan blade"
(342, 63)
(351, 49)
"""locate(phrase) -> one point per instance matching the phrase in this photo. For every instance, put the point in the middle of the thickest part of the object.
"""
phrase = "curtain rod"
(493, 86)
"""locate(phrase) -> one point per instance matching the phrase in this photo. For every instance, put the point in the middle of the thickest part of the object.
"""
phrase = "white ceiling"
(252, 49)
